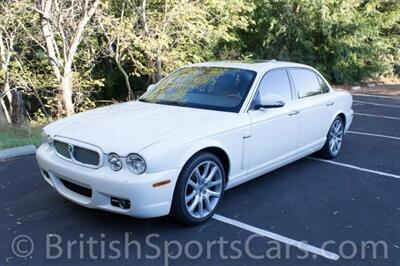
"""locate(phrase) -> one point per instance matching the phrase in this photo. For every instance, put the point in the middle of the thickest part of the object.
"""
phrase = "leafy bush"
(347, 40)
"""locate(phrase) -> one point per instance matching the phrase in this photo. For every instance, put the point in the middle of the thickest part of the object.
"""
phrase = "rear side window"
(306, 82)
(276, 82)
(324, 86)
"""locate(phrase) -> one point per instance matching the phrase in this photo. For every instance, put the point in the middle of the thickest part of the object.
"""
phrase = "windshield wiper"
(176, 103)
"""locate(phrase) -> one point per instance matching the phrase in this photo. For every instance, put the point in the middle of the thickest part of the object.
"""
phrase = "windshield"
(213, 88)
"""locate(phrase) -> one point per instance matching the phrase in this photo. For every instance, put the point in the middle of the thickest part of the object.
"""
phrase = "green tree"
(151, 38)
(345, 39)
(63, 25)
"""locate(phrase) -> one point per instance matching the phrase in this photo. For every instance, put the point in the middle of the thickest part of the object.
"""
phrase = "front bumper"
(146, 201)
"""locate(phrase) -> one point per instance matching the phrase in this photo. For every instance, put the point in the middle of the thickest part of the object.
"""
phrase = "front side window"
(213, 88)
(306, 82)
(274, 82)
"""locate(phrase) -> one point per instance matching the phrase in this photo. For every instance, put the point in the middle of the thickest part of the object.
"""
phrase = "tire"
(198, 194)
(334, 139)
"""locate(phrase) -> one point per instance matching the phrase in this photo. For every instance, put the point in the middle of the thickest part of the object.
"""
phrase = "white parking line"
(373, 135)
(377, 104)
(356, 167)
(377, 96)
(288, 241)
(379, 116)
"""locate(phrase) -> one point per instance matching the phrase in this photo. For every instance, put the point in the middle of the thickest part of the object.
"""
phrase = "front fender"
(175, 158)
(201, 146)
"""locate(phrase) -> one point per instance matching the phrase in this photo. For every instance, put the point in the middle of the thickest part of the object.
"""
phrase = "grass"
(26, 134)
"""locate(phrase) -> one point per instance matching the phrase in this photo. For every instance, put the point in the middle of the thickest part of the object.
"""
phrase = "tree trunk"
(3, 119)
(126, 79)
(47, 36)
(158, 68)
(5, 89)
(17, 108)
(66, 93)
(4, 112)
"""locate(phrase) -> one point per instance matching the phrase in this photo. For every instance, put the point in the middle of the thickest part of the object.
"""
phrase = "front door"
(275, 131)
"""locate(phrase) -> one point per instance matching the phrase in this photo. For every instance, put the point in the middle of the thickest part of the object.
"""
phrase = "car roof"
(256, 65)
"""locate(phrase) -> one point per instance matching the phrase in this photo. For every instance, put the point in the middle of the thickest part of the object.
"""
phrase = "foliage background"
(128, 44)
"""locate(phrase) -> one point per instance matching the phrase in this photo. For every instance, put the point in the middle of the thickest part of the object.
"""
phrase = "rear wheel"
(199, 189)
(334, 139)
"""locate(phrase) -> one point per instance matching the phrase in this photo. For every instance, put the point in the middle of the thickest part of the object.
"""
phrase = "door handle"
(330, 104)
(294, 112)
(246, 134)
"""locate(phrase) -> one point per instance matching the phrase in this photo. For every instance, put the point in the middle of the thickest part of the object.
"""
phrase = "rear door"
(314, 102)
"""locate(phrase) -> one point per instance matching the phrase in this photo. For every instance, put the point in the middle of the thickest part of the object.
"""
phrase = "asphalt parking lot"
(311, 212)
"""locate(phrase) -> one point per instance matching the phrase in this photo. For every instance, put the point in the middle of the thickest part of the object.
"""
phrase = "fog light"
(115, 162)
(120, 203)
(46, 174)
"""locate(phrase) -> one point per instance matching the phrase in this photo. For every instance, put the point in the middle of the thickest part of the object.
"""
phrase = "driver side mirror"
(150, 87)
(270, 100)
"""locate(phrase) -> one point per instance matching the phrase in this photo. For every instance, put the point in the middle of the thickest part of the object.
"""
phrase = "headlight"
(114, 161)
(136, 164)
(44, 136)
(50, 140)
(47, 139)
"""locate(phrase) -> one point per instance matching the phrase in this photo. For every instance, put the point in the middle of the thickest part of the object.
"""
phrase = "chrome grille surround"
(78, 153)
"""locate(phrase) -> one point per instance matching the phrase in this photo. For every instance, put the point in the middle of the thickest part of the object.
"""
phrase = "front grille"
(86, 156)
(62, 149)
(77, 154)
(77, 188)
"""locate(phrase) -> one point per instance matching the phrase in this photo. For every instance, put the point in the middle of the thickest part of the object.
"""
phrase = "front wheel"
(334, 139)
(199, 189)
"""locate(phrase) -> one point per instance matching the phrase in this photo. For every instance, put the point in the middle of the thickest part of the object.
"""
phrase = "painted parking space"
(319, 202)
(372, 135)
(388, 110)
(381, 99)
(371, 152)
(376, 125)
(376, 104)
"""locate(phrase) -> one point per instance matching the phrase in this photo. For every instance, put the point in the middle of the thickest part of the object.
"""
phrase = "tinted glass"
(214, 88)
(306, 82)
(275, 82)
(323, 85)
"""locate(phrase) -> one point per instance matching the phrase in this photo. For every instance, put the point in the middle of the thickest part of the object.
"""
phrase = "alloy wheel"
(336, 136)
(203, 189)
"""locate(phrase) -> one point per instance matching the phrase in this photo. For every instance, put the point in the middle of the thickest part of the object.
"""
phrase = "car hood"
(131, 127)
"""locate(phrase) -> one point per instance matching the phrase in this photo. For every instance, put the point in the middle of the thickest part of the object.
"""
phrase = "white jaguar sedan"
(201, 130)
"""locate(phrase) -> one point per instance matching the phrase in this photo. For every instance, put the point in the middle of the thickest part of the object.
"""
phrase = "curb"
(19, 151)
